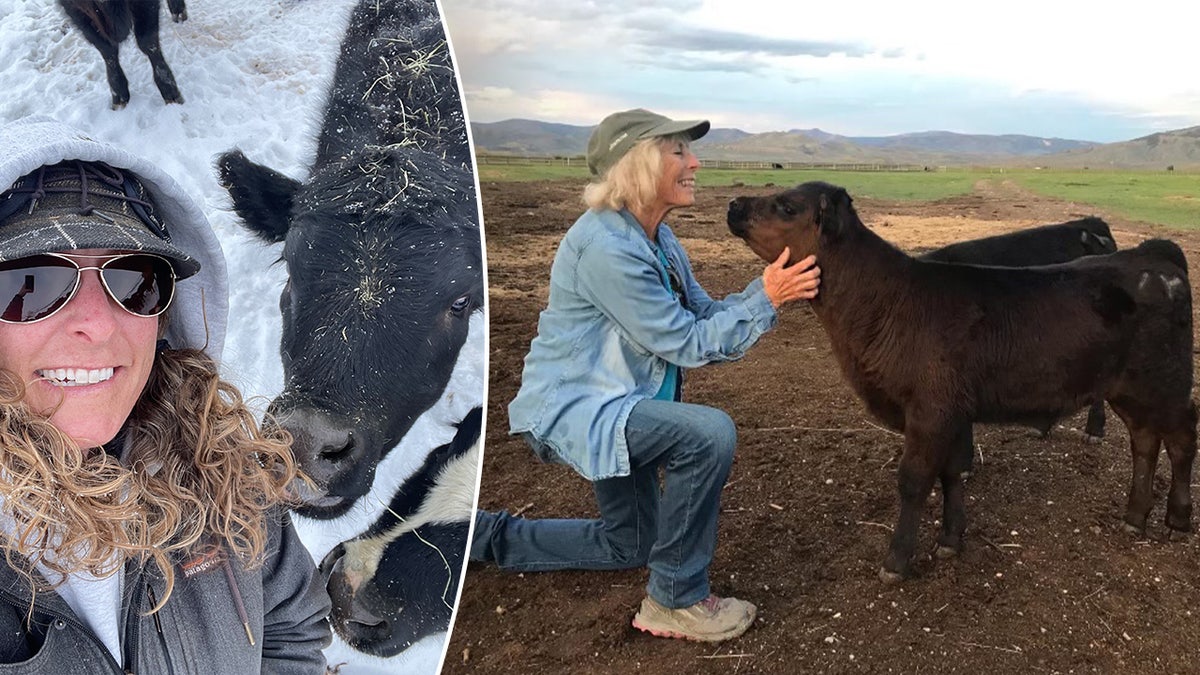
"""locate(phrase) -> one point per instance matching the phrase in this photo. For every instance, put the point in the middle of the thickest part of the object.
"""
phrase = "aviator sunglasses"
(36, 287)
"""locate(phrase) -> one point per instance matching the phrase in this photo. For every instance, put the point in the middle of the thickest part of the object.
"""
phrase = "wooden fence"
(485, 158)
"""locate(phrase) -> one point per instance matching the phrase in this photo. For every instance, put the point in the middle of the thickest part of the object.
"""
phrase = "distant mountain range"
(1179, 148)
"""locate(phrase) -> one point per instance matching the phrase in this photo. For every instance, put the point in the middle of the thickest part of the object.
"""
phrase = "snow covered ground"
(254, 76)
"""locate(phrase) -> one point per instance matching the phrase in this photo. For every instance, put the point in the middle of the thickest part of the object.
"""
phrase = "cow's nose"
(321, 438)
(322, 443)
(737, 210)
(351, 616)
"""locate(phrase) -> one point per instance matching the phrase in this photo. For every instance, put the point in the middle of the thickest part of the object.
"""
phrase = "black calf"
(107, 23)
(1045, 245)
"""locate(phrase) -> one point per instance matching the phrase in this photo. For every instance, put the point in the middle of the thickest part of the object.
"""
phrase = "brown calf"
(933, 347)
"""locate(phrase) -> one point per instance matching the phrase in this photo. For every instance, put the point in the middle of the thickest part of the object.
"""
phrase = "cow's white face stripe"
(450, 500)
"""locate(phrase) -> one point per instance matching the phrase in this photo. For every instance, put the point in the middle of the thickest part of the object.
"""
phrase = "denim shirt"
(607, 334)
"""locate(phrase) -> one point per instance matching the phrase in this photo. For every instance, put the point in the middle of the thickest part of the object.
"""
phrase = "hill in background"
(1180, 148)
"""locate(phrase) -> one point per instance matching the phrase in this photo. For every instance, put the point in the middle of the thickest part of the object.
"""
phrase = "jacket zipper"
(130, 647)
(162, 639)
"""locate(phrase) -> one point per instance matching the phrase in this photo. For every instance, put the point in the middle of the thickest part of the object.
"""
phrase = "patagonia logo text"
(204, 562)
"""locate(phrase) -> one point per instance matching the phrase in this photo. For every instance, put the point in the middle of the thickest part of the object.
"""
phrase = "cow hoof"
(1179, 519)
(1134, 530)
(178, 98)
(943, 552)
(180, 17)
(890, 578)
(1178, 535)
(1092, 440)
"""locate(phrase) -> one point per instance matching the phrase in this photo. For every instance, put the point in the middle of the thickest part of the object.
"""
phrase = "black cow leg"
(1144, 446)
(1181, 449)
(145, 27)
(117, 83)
(916, 475)
(1094, 429)
(965, 450)
(954, 509)
(178, 10)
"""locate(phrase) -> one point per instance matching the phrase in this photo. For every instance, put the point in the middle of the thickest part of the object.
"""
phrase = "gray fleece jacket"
(199, 630)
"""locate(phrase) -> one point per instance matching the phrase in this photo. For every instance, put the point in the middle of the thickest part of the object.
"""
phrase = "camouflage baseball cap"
(84, 205)
(618, 132)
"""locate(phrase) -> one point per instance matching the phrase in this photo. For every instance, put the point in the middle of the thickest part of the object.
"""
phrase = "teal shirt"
(670, 385)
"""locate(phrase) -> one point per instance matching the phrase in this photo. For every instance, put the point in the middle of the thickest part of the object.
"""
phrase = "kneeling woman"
(601, 387)
(141, 508)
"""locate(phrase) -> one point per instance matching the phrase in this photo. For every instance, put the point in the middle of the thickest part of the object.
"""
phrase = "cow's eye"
(787, 209)
(461, 304)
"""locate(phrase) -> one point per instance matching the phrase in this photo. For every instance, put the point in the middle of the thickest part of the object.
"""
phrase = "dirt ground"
(1048, 580)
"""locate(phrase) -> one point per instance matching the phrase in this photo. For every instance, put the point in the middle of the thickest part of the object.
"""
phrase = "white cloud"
(1122, 60)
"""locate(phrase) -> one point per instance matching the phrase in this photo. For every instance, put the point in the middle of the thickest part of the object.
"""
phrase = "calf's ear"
(262, 197)
(833, 212)
(1100, 243)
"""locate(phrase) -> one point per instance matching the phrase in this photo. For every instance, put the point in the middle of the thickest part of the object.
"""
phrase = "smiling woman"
(602, 387)
(138, 497)
(86, 355)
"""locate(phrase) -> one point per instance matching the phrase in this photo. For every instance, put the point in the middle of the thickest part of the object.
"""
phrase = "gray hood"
(200, 310)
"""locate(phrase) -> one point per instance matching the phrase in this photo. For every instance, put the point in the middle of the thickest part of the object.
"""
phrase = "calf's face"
(802, 219)
(404, 592)
(384, 272)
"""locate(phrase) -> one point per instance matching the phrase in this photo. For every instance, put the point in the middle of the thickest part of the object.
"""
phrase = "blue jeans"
(673, 534)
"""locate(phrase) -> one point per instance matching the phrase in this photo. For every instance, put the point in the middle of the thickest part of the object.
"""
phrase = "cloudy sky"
(1048, 68)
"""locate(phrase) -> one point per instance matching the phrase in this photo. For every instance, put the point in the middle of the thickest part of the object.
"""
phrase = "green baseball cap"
(618, 132)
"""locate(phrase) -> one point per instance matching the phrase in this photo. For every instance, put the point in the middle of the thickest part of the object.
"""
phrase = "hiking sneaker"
(712, 619)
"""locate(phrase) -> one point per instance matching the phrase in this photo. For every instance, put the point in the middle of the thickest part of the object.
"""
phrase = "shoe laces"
(711, 604)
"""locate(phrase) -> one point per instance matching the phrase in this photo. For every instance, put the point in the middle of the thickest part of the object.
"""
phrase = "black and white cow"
(382, 246)
(385, 287)
(396, 583)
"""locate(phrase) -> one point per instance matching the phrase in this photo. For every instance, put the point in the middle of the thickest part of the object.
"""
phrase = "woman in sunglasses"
(601, 389)
(141, 507)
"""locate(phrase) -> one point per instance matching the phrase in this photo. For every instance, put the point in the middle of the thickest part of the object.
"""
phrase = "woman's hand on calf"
(797, 282)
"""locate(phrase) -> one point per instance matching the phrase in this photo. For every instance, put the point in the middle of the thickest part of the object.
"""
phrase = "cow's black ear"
(833, 211)
(1095, 244)
(262, 197)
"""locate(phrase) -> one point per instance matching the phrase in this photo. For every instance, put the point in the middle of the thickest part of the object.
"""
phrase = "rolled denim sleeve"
(624, 284)
(704, 306)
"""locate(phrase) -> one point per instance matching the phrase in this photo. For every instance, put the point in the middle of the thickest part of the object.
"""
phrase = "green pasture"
(530, 172)
(914, 185)
(1163, 198)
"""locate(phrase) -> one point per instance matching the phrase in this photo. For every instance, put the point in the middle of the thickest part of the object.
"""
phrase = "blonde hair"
(632, 183)
(198, 470)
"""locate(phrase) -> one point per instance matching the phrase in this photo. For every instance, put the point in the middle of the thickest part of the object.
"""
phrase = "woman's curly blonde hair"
(197, 468)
